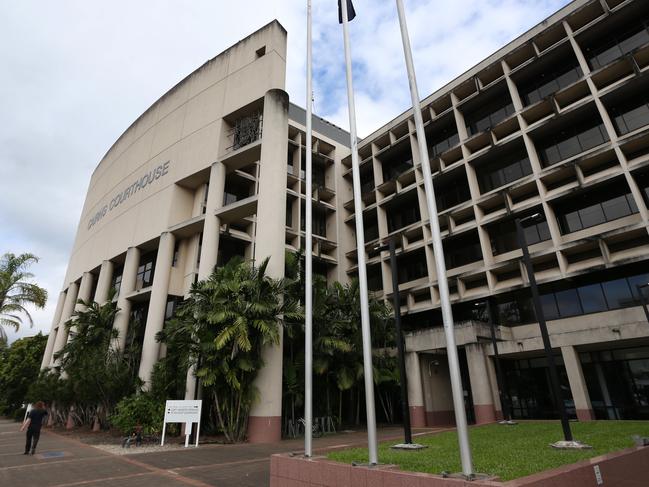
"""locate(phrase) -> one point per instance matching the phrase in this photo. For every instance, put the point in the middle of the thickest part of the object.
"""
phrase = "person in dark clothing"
(33, 423)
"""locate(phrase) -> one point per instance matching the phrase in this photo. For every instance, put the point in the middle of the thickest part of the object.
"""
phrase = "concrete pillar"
(157, 306)
(483, 402)
(265, 420)
(104, 281)
(438, 399)
(84, 295)
(126, 287)
(66, 314)
(415, 392)
(577, 384)
(85, 288)
(210, 245)
(493, 380)
(47, 356)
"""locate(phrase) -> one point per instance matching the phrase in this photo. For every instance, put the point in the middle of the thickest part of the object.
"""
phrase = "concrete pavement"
(64, 462)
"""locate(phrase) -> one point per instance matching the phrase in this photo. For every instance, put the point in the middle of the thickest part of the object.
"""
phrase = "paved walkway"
(64, 462)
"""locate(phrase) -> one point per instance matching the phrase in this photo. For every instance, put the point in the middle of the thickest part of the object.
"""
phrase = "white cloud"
(77, 73)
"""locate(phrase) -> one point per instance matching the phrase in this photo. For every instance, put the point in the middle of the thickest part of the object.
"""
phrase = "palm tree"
(16, 291)
(96, 374)
(226, 322)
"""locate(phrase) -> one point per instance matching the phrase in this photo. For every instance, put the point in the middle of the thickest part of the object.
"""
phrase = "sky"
(76, 74)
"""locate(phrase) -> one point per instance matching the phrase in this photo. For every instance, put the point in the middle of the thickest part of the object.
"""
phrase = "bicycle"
(316, 429)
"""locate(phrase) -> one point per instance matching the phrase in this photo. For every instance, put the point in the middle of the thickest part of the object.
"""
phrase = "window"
(571, 141)
(403, 211)
(504, 170)
(289, 214)
(451, 190)
(412, 266)
(592, 298)
(374, 277)
(617, 45)
(618, 293)
(568, 303)
(504, 238)
(442, 140)
(489, 114)
(596, 206)
(174, 260)
(145, 271)
(559, 301)
(117, 281)
(549, 305)
(396, 160)
(462, 250)
(631, 114)
(545, 85)
(318, 221)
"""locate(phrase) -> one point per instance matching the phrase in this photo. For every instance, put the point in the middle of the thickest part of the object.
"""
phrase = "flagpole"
(360, 250)
(308, 285)
(447, 314)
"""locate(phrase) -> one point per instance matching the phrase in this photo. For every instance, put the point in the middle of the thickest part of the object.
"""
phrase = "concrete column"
(415, 392)
(66, 314)
(157, 306)
(495, 393)
(49, 348)
(483, 402)
(210, 245)
(84, 295)
(265, 420)
(577, 384)
(103, 282)
(438, 399)
(126, 287)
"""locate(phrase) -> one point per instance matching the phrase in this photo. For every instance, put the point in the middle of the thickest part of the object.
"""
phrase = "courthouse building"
(554, 123)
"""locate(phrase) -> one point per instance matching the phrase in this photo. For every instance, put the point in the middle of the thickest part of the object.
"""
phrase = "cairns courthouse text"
(140, 183)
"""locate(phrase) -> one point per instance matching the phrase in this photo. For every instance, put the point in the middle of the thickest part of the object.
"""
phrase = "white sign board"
(187, 412)
(598, 475)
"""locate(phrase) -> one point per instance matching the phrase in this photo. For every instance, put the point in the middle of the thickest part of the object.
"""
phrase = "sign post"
(187, 412)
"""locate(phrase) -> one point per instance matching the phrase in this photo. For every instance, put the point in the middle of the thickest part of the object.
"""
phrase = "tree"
(222, 327)
(19, 367)
(16, 291)
(337, 344)
(95, 373)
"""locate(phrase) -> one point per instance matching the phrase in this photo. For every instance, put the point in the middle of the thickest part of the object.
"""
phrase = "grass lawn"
(506, 451)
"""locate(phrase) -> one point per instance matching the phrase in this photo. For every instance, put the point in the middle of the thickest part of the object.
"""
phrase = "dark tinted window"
(568, 303)
(592, 298)
(570, 141)
(595, 207)
(618, 293)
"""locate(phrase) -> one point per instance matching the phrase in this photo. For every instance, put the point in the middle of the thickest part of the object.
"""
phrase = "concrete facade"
(201, 176)
(554, 123)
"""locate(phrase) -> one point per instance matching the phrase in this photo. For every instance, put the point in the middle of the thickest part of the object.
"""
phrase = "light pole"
(568, 441)
(643, 301)
(403, 379)
(500, 378)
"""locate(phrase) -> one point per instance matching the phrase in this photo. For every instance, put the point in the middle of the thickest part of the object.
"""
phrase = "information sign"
(187, 412)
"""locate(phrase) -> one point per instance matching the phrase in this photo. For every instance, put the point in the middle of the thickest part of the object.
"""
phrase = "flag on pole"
(351, 13)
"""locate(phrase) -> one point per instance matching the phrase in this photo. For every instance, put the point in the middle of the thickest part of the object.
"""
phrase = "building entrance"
(618, 382)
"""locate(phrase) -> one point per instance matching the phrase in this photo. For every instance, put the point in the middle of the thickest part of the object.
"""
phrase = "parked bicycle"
(316, 429)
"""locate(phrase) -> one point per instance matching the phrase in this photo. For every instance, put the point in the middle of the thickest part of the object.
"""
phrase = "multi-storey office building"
(554, 123)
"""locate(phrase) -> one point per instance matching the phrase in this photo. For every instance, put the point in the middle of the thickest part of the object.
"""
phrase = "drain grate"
(52, 454)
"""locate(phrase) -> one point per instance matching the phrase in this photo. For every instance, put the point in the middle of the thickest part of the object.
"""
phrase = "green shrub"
(19, 414)
(139, 409)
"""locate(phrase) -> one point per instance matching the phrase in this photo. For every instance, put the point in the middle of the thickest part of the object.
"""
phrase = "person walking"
(33, 423)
